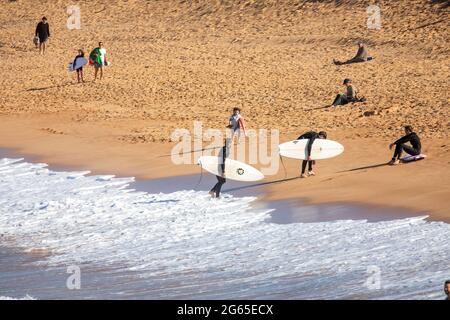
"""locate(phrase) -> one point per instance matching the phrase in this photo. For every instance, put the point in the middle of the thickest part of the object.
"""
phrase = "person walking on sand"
(223, 155)
(361, 56)
(236, 123)
(43, 33)
(311, 135)
(98, 59)
(79, 70)
(400, 145)
(349, 96)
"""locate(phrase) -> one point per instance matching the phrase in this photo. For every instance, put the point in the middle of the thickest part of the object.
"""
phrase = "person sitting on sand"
(223, 154)
(349, 96)
(43, 33)
(400, 145)
(98, 59)
(361, 56)
(79, 70)
(311, 135)
(236, 124)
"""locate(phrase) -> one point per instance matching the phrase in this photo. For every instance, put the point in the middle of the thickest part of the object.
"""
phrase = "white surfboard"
(321, 149)
(234, 170)
(79, 63)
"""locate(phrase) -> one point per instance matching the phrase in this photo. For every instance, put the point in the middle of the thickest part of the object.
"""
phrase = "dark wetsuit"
(42, 31)
(400, 145)
(223, 154)
(311, 135)
(342, 99)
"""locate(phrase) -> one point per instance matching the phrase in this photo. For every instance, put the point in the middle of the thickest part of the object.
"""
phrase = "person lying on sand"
(311, 135)
(400, 145)
(79, 70)
(98, 59)
(236, 124)
(361, 56)
(349, 96)
(223, 154)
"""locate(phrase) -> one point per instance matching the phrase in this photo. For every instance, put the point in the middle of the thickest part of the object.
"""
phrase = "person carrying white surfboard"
(223, 155)
(400, 146)
(236, 124)
(311, 135)
(79, 70)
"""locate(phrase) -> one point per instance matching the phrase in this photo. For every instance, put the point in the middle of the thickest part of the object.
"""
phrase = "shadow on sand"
(318, 108)
(366, 167)
(53, 87)
(261, 184)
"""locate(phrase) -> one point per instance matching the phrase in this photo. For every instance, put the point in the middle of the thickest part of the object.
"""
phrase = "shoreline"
(125, 160)
(290, 210)
(97, 149)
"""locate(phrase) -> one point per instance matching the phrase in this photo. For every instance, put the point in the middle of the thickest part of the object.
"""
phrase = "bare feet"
(394, 162)
(311, 173)
(212, 194)
(303, 175)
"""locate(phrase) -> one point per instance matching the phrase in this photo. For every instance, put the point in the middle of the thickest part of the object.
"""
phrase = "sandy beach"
(177, 62)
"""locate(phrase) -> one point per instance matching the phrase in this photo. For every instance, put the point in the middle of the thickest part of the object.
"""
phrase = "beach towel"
(95, 57)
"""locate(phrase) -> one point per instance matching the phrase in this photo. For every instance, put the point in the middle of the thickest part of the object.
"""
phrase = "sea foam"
(186, 245)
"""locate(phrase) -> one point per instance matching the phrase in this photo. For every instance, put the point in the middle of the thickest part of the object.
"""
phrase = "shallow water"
(182, 244)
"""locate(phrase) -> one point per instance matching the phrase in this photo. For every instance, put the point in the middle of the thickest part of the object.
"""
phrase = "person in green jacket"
(98, 59)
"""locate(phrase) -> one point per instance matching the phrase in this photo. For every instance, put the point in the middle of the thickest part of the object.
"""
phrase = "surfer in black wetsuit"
(223, 154)
(43, 33)
(400, 145)
(79, 70)
(311, 135)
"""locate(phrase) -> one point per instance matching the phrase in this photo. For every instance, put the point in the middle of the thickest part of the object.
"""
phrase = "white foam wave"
(27, 297)
(187, 245)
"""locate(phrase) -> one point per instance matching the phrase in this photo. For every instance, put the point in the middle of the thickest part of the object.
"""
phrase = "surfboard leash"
(284, 168)
(200, 180)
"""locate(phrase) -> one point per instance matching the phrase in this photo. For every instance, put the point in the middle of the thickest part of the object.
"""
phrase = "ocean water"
(183, 245)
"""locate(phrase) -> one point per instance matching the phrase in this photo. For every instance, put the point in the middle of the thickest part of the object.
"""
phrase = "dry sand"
(174, 62)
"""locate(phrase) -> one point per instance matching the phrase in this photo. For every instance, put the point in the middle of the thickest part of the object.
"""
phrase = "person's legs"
(310, 168)
(43, 47)
(304, 162)
(95, 72)
(78, 75)
(340, 99)
(101, 73)
(219, 185)
(212, 192)
(410, 150)
(398, 151)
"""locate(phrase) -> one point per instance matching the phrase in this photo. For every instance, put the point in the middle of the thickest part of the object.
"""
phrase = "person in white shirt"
(236, 124)
(98, 57)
